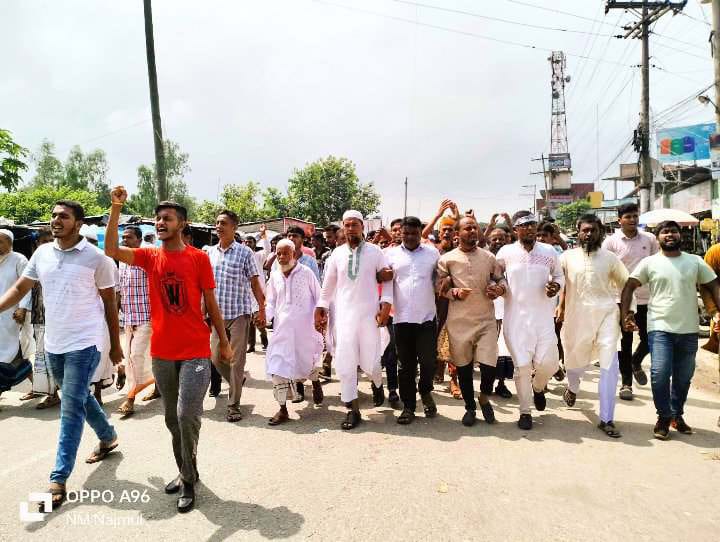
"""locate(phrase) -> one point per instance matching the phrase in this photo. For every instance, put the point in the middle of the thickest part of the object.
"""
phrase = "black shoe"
(539, 400)
(378, 395)
(300, 388)
(503, 391)
(214, 392)
(680, 426)
(406, 417)
(393, 397)
(488, 412)
(525, 422)
(559, 375)
(626, 393)
(174, 486)
(469, 418)
(186, 502)
(251, 349)
(661, 430)
(640, 376)
(429, 406)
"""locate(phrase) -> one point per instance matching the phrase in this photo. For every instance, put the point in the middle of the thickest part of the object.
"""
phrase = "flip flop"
(609, 429)
(120, 383)
(100, 452)
(49, 402)
(56, 503)
(233, 414)
(125, 410)
(29, 395)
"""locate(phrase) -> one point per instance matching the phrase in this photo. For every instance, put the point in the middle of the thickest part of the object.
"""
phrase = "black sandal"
(352, 419)
(406, 417)
(609, 429)
(569, 397)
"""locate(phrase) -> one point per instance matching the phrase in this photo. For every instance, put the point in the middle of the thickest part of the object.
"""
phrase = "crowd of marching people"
(509, 301)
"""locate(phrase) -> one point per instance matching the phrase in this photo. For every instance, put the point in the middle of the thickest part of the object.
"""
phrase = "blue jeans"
(72, 372)
(672, 358)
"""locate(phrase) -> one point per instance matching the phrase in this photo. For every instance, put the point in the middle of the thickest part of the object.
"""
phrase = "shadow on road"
(230, 517)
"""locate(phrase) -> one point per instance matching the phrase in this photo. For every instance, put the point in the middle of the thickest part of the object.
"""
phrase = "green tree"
(322, 190)
(49, 170)
(36, 203)
(568, 214)
(88, 172)
(11, 161)
(177, 164)
(243, 199)
(275, 204)
(207, 212)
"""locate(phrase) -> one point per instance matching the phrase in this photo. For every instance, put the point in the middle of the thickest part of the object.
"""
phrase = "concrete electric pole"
(162, 187)
(649, 12)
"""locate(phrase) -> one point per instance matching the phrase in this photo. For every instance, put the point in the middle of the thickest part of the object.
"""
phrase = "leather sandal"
(352, 420)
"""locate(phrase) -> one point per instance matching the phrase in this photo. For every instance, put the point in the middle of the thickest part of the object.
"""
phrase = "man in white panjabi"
(352, 273)
(534, 277)
(594, 278)
(12, 265)
(295, 346)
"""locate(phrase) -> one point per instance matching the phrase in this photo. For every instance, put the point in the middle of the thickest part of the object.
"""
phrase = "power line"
(455, 31)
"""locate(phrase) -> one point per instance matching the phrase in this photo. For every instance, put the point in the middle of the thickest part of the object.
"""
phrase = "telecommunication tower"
(560, 166)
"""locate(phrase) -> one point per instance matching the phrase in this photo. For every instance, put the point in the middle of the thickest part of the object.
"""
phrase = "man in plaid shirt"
(135, 307)
(236, 276)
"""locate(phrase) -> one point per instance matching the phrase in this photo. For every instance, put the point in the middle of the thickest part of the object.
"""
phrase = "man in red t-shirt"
(180, 279)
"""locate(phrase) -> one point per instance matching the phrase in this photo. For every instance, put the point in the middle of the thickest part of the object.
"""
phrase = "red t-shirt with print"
(177, 280)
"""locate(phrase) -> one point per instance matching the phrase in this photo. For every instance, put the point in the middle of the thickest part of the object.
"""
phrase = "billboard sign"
(559, 161)
(684, 144)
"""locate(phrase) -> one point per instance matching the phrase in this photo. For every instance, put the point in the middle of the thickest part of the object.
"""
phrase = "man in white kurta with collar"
(295, 346)
(351, 282)
(534, 278)
(594, 278)
(12, 265)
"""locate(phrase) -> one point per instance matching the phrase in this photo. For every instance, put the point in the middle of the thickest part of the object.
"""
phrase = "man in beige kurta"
(471, 278)
(594, 277)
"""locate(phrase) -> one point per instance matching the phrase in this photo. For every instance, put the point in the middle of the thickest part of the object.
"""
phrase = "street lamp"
(706, 100)
(534, 191)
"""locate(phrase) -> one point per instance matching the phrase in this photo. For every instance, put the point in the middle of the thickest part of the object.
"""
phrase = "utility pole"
(715, 43)
(162, 187)
(545, 178)
(405, 208)
(649, 12)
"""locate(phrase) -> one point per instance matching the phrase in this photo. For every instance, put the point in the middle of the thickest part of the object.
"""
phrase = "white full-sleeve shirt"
(413, 284)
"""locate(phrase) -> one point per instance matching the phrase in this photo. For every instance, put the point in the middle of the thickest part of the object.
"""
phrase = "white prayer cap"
(527, 219)
(89, 232)
(285, 243)
(7, 233)
(352, 214)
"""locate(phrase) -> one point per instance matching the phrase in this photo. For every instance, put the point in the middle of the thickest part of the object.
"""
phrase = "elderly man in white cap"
(295, 346)
(12, 265)
(352, 273)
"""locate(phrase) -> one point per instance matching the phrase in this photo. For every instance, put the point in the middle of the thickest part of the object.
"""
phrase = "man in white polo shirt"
(414, 265)
(632, 245)
(79, 294)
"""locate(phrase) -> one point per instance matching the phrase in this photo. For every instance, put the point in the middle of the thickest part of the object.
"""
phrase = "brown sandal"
(233, 414)
(278, 418)
(49, 402)
(100, 452)
(60, 493)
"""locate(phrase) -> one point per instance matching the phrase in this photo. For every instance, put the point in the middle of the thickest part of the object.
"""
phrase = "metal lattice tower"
(558, 124)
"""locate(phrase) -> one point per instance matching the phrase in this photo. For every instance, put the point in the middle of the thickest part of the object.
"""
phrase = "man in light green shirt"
(673, 277)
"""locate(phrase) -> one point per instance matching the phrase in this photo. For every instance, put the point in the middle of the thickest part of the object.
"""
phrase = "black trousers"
(215, 380)
(389, 359)
(465, 381)
(628, 359)
(252, 338)
(416, 344)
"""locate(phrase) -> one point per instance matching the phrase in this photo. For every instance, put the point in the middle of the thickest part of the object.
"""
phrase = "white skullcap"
(285, 243)
(352, 214)
(9, 234)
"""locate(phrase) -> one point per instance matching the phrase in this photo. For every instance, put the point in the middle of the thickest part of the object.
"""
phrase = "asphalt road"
(564, 480)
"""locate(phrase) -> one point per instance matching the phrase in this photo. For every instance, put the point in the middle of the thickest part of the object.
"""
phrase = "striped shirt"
(134, 295)
(233, 268)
